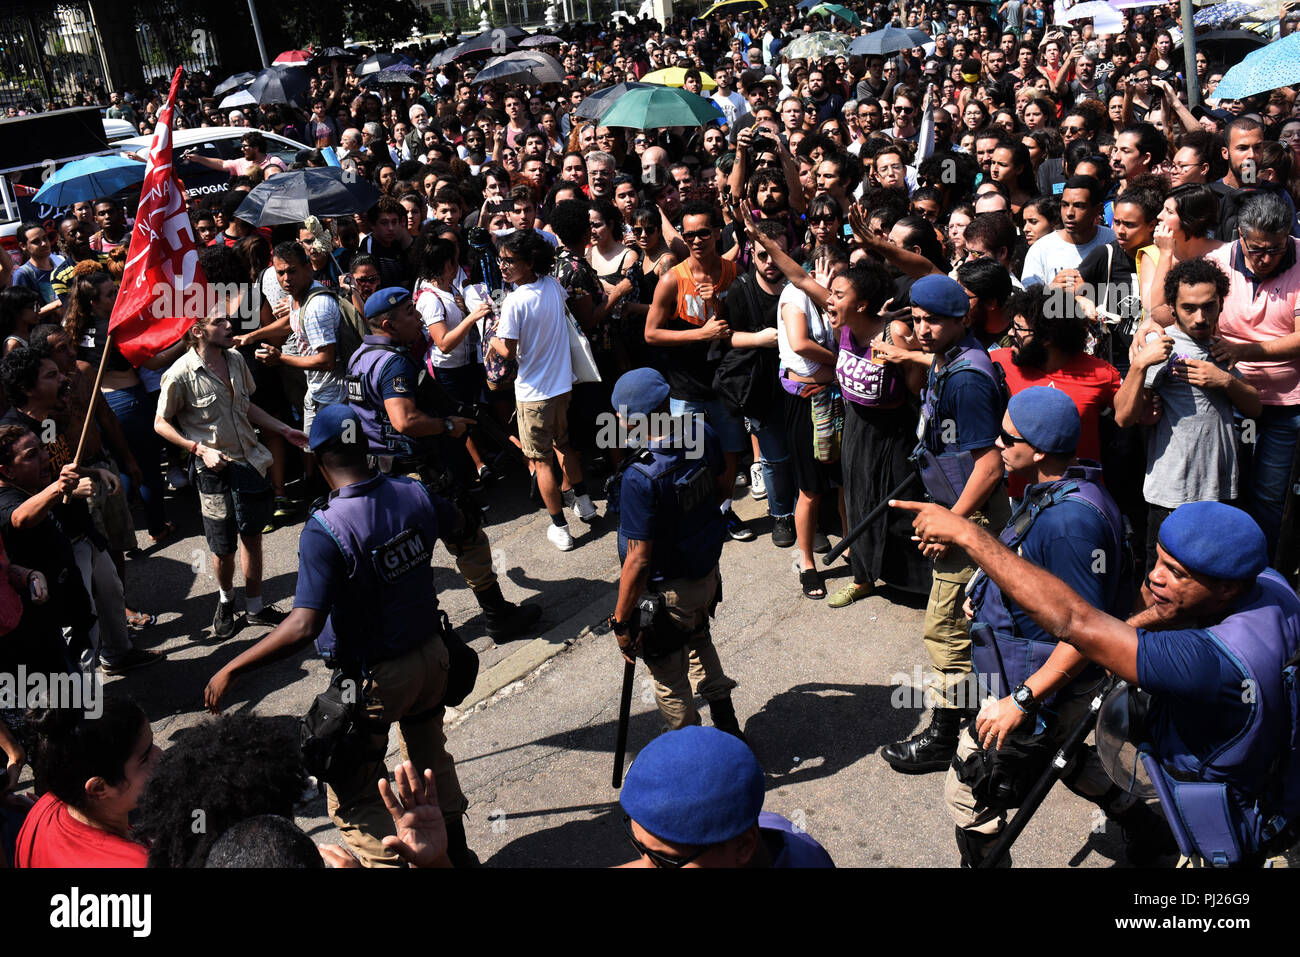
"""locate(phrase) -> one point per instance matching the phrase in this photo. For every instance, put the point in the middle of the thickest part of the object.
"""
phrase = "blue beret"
(385, 299)
(940, 296)
(335, 421)
(1046, 418)
(640, 391)
(1214, 539)
(694, 786)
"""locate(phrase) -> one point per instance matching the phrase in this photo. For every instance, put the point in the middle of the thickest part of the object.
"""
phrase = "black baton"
(863, 525)
(624, 713)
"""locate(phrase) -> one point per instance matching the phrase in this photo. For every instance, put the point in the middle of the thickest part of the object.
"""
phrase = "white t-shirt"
(436, 306)
(817, 328)
(733, 105)
(1051, 254)
(534, 315)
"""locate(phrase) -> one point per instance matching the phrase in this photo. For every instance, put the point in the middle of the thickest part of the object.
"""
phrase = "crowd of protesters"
(1110, 243)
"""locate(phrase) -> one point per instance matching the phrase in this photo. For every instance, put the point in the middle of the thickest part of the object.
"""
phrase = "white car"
(220, 142)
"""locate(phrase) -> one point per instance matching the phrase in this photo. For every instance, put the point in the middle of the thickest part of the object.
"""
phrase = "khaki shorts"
(544, 426)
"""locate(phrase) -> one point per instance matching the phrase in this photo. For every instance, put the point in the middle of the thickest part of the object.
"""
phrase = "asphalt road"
(821, 690)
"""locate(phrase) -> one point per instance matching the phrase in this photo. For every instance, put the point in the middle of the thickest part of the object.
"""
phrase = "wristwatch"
(448, 426)
(1024, 698)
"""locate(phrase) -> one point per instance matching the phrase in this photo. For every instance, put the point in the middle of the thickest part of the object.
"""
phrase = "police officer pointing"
(1067, 524)
(670, 538)
(381, 385)
(1213, 646)
(365, 592)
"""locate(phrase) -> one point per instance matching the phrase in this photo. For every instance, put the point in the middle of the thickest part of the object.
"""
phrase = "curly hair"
(70, 747)
(232, 768)
(1193, 272)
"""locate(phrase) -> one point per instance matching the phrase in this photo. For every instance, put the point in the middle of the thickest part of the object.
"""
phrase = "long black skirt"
(874, 461)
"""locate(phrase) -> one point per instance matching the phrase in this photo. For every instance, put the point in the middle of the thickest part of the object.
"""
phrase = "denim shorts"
(730, 428)
(235, 500)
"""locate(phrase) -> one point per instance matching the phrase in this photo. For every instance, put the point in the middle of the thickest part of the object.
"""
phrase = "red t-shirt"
(52, 837)
(1091, 382)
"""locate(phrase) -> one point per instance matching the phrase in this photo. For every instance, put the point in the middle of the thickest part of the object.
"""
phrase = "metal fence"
(168, 37)
(49, 54)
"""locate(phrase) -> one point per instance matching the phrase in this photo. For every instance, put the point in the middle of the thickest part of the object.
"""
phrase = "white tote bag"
(580, 355)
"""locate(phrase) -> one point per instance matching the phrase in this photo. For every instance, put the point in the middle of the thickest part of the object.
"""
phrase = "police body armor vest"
(997, 648)
(362, 386)
(686, 487)
(386, 528)
(1229, 804)
(944, 470)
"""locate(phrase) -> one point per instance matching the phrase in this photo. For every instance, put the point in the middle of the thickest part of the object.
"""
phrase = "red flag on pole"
(163, 288)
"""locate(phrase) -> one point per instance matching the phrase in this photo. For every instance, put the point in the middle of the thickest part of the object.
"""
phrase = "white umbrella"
(239, 98)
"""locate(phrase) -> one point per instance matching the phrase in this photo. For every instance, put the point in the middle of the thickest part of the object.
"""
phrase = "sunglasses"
(823, 220)
(1008, 439)
(698, 234)
(642, 230)
(904, 109)
(507, 260)
(365, 280)
(656, 858)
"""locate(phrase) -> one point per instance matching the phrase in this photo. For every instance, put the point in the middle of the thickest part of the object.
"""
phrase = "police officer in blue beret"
(366, 595)
(961, 468)
(1040, 688)
(381, 383)
(670, 537)
(694, 798)
(1214, 643)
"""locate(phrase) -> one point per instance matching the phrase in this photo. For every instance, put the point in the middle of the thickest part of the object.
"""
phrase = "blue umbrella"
(887, 41)
(90, 178)
(1222, 14)
(1268, 68)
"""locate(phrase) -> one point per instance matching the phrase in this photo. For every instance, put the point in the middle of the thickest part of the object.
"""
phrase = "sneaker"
(488, 475)
(821, 544)
(757, 487)
(736, 528)
(283, 507)
(585, 509)
(560, 537)
(742, 480)
(269, 615)
(783, 535)
(133, 659)
(177, 477)
(223, 622)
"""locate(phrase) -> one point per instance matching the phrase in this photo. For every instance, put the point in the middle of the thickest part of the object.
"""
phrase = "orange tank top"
(690, 307)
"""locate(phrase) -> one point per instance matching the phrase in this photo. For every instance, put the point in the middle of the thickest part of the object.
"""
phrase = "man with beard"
(1049, 349)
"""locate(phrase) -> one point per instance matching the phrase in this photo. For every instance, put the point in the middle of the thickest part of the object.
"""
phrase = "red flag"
(163, 288)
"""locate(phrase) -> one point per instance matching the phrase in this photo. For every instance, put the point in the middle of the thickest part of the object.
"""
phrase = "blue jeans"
(1275, 437)
(774, 451)
(136, 414)
(730, 428)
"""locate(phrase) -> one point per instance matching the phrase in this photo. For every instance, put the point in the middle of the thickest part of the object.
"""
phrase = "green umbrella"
(835, 10)
(815, 46)
(658, 107)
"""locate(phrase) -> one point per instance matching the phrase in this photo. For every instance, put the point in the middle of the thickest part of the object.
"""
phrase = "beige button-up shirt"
(204, 409)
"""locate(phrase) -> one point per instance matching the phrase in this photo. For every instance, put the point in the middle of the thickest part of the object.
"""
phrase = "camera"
(764, 144)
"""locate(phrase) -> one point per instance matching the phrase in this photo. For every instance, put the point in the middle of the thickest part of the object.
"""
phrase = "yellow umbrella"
(675, 76)
(735, 6)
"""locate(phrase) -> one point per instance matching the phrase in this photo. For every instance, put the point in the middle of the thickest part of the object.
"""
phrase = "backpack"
(352, 326)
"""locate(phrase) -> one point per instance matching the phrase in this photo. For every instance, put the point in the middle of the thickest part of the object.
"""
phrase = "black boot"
(975, 847)
(1146, 835)
(458, 851)
(506, 621)
(723, 713)
(932, 749)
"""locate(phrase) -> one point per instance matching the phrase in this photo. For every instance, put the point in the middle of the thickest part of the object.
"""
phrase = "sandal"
(850, 593)
(165, 533)
(140, 620)
(810, 580)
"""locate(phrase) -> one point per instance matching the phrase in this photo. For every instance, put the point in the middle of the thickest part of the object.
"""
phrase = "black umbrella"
(497, 41)
(280, 84)
(293, 196)
(380, 61)
(233, 83)
(396, 77)
(1228, 46)
(336, 53)
(592, 106)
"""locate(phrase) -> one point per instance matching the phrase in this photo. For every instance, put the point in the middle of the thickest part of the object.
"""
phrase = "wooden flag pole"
(90, 407)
